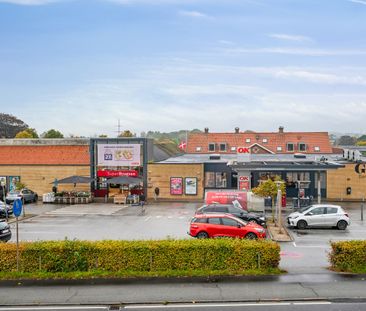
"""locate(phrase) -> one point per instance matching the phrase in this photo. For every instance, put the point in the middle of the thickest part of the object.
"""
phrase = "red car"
(224, 225)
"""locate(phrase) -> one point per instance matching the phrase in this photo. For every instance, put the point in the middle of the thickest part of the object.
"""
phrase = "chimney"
(236, 130)
(206, 130)
(280, 129)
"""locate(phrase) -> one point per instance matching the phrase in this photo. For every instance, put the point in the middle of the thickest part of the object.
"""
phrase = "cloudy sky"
(81, 65)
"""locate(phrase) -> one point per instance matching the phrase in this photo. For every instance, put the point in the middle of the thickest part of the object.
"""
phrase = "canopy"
(125, 180)
(75, 180)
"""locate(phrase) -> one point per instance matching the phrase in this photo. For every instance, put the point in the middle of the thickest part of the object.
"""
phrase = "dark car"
(233, 210)
(5, 233)
(26, 194)
(5, 210)
(212, 225)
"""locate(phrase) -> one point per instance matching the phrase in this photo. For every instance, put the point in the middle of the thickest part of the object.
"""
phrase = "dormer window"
(198, 149)
(211, 147)
(316, 148)
(290, 147)
(222, 146)
(233, 148)
(302, 147)
(247, 140)
(279, 148)
(265, 140)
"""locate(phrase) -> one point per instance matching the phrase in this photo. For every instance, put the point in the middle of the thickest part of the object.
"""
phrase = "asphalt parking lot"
(306, 254)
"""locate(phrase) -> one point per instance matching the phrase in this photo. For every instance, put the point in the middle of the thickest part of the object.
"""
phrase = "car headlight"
(294, 217)
(259, 230)
(262, 218)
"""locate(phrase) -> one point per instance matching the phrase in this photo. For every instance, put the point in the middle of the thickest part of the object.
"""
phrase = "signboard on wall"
(176, 185)
(244, 183)
(119, 155)
(226, 197)
(110, 173)
(190, 185)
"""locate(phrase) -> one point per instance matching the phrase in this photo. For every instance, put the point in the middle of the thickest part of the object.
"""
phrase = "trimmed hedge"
(232, 255)
(348, 256)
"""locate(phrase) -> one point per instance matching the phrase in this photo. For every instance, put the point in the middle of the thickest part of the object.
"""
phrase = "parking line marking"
(147, 218)
(294, 244)
(209, 305)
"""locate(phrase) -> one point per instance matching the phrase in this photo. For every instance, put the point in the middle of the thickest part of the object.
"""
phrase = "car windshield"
(3, 224)
(304, 209)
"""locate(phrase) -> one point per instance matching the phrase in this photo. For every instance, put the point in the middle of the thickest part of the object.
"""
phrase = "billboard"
(119, 155)
(176, 185)
(226, 197)
(190, 185)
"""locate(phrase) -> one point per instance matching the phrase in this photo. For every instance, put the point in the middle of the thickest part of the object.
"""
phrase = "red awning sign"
(110, 173)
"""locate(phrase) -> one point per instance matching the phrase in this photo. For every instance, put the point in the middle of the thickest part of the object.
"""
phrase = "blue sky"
(80, 65)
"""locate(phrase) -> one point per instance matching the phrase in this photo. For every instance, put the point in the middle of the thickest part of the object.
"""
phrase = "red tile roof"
(44, 155)
(274, 140)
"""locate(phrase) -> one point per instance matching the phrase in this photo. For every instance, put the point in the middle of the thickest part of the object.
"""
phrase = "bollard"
(362, 206)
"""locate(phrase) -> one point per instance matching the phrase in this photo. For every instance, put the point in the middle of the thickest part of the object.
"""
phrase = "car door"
(237, 212)
(26, 195)
(231, 228)
(214, 227)
(315, 217)
(331, 217)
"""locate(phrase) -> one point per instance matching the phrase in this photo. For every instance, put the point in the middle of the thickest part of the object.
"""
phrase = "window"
(292, 179)
(323, 180)
(279, 148)
(199, 220)
(229, 222)
(198, 148)
(223, 147)
(332, 210)
(211, 147)
(302, 147)
(265, 140)
(221, 209)
(210, 179)
(215, 180)
(317, 211)
(316, 148)
(233, 148)
(290, 147)
(233, 209)
(214, 220)
(221, 179)
(247, 140)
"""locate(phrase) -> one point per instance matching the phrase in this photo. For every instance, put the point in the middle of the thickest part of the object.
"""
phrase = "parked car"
(224, 225)
(319, 215)
(232, 210)
(5, 232)
(27, 194)
(5, 209)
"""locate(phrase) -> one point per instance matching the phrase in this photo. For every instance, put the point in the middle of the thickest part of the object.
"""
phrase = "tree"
(52, 134)
(126, 133)
(346, 140)
(103, 136)
(27, 133)
(10, 126)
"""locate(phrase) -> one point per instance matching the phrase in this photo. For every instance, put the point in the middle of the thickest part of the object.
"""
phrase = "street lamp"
(279, 201)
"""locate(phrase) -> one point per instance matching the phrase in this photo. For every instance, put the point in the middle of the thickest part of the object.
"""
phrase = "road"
(306, 254)
(276, 306)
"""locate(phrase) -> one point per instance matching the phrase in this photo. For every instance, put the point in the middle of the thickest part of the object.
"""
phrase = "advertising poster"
(3, 181)
(119, 155)
(176, 185)
(226, 197)
(190, 185)
(244, 183)
(13, 182)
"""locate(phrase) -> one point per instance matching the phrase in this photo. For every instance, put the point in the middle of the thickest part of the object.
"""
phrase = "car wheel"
(251, 236)
(301, 224)
(253, 221)
(342, 225)
(202, 235)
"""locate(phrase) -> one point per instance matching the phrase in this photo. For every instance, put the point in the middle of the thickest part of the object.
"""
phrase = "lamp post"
(279, 200)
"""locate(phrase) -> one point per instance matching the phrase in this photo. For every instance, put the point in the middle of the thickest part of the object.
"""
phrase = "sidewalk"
(332, 287)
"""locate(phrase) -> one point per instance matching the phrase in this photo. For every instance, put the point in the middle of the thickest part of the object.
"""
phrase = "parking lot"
(306, 254)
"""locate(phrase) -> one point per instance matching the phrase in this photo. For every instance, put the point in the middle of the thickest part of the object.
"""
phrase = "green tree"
(103, 136)
(27, 133)
(52, 133)
(126, 133)
(361, 143)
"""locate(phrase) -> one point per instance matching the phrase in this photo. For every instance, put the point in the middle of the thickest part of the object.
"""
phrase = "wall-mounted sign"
(119, 155)
(110, 173)
(176, 185)
(243, 150)
(190, 185)
(243, 178)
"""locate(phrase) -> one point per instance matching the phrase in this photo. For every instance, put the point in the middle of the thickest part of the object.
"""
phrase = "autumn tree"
(10, 125)
(27, 133)
(126, 133)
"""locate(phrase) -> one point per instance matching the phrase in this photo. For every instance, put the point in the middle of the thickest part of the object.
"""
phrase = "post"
(362, 206)
(319, 189)
(17, 229)
(23, 207)
(279, 197)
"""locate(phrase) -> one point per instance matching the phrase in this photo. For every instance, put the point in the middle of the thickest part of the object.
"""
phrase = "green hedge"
(232, 255)
(348, 256)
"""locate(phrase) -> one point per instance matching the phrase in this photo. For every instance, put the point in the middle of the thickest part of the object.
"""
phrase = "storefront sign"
(190, 185)
(119, 155)
(226, 197)
(176, 185)
(109, 173)
(244, 183)
(243, 150)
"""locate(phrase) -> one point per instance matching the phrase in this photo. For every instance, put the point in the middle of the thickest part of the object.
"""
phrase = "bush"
(232, 255)
(348, 256)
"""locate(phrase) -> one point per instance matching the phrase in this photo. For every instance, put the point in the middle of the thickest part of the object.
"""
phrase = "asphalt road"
(279, 306)
(306, 254)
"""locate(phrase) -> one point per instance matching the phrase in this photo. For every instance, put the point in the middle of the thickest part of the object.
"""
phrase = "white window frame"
(233, 148)
(247, 140)
(220, 144)
(279, 148)
(198, 149)
(304, 145)
(293, 147)
(317, 148)
(209, 147)
(264, 140)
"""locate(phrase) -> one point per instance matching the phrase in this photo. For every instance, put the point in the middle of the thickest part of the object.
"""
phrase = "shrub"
(348, 256)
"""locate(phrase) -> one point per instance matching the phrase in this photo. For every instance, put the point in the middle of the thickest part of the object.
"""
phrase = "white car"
(320, 215)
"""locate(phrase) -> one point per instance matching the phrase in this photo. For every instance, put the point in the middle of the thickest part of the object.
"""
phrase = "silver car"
(320, 215)
(25, 194)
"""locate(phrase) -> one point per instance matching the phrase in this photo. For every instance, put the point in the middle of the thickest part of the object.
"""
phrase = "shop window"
(323, 180)
(221, 180)
(265, 140)
(290, 147)
(198, 149)
(263, 176)
(223, 147)
(293, 178)
(211, 147)
(247, 140)
(316, 148)
(279, 148)
(302, 147)
(210, 180)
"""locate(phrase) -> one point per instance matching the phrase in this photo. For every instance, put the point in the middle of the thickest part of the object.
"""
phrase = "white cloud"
(358, 1)
(28, 2)
(287, 37)
(194, 14)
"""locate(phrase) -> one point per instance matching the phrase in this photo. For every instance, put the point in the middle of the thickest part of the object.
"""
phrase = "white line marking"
(208, 305)
(313, 303)
(54, 308)
(159, 216)
(294, 244)
(147, 218)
